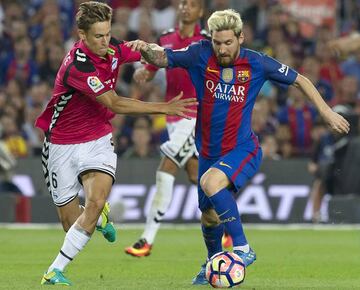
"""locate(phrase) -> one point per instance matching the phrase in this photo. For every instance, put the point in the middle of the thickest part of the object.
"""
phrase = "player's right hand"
(179, 107)
(141, 75)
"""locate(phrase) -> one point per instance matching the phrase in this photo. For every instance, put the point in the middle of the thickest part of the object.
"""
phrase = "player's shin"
(160, 204)
(226, 208)
(212, 238)
(75, 240)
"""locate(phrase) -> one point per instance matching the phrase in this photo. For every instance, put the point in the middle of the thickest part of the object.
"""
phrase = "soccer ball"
(225, 270)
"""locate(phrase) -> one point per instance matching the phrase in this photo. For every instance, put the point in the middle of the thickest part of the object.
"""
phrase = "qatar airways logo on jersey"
(227, 92)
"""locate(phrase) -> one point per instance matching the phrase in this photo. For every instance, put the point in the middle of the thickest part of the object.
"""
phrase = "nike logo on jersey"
(212, 70)
(220, 215)
(224, 164)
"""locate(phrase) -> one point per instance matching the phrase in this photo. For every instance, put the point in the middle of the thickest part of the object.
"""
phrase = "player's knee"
(95, 205)
(208, 184)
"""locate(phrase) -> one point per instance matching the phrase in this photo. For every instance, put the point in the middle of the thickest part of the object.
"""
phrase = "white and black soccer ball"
(225, 270)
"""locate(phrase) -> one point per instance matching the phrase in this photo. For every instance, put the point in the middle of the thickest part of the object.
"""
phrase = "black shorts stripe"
(70, 199)
(44, 162)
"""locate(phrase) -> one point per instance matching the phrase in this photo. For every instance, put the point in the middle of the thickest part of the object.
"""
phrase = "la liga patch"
(95, 84)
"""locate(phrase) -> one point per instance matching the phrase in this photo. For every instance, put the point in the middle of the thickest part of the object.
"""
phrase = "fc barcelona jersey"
(226, 95)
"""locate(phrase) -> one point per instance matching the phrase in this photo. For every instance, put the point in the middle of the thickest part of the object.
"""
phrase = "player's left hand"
(137, 45)
(337, 47)
(336, 122)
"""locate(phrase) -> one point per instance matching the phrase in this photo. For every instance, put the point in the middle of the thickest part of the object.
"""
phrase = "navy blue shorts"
(239, 165)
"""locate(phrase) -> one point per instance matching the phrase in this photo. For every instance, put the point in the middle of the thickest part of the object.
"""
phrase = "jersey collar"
(94, 57)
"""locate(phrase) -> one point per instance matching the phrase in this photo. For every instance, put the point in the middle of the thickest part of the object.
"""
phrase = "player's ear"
(201, 14)
(241, 37)
(81, 34)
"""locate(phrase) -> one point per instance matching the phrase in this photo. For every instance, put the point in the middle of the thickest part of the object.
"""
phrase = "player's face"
(190, 11)
(226, 46)
(97, 38)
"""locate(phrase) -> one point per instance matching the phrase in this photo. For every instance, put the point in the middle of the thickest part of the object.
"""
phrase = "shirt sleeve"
(89, 84)
(185, 57)
(127, 55)
(151, 67)
(277, 72)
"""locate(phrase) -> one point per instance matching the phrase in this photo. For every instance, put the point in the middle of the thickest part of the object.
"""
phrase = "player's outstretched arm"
(336, 122)
(151, 52)
(345, 45)
(121, 105)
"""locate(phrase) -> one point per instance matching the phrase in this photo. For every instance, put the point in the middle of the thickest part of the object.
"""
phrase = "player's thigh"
(241, 164)
(181, 144)
(60, 171)
(97, 186)
(98, 155)
(97, 166)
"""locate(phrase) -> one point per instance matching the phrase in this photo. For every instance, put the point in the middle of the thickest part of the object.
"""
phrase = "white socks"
(160, 204)
(75, 240)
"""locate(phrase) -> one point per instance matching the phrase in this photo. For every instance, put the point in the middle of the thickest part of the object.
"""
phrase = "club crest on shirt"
(114, 63)
(227, 75)
(243, 76)
(95, 84)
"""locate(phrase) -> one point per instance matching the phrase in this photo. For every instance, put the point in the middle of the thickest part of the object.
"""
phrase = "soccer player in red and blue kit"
(78, 150)
(179, 151)
(227, 79)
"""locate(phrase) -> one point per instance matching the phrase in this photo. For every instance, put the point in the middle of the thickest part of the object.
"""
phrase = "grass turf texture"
(287, 259)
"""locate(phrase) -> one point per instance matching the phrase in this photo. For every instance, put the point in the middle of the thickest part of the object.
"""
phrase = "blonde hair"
(92, 12)
(227, 19)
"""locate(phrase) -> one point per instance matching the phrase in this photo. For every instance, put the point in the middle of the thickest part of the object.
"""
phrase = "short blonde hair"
(227, 19)
(91, 12)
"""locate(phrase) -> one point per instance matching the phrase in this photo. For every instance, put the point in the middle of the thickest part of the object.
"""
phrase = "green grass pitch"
(287, 259)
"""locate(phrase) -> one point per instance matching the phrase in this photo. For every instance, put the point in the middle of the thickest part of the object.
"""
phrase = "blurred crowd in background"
(36, 34)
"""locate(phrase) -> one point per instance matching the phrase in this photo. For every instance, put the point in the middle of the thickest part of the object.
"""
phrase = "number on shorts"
(53, 180)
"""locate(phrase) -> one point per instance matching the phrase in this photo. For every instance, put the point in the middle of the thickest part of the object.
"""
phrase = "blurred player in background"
(78, 150)
(179, 151)
(227, 79)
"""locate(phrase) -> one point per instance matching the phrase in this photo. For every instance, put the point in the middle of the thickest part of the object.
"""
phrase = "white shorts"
(63, 164)
(181, 144)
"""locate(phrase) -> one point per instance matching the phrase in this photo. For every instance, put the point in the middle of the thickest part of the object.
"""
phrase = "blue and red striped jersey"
(226, 95)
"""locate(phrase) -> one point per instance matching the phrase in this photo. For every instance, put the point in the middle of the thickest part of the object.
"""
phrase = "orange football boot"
(140, 249)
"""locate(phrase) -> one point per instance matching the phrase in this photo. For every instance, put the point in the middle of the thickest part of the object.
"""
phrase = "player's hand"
(336, 122)
(179, 107)
(137, 45)
(141, 75)
(337, 46)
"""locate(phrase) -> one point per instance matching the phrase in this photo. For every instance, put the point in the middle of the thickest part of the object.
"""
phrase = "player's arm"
(122, 105)
(282, 74)
(151, 52)
(154, 54)
(345, 45)
(336, 122)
